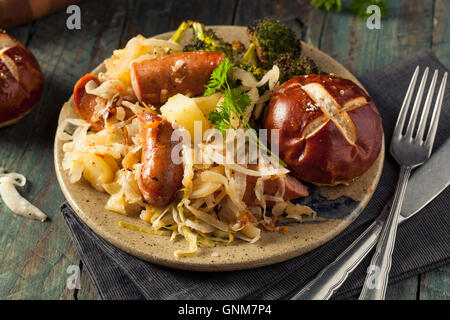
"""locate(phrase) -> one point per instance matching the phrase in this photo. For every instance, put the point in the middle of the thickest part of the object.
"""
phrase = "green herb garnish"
(219, 78)
(358, 7)
(235, 103)
(329, 5)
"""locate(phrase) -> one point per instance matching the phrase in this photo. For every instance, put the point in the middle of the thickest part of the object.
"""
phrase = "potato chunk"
(184, 111)
(98, 168)
(107, 136)
(207, 103)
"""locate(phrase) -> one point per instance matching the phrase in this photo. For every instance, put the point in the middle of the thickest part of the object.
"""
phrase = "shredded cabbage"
(210, 207)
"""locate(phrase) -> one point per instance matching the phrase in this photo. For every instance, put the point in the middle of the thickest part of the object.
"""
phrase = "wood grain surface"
(34, 256)
(17, 12)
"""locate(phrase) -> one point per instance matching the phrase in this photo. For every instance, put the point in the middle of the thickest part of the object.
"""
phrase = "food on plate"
(272, 38)
(160, 178)
(21, 80)
(85, 103)
(330, 129)
(207, 40)
(156, 80)
(293, 189)
(118, 65)
(96, 108)
(292, 66)
(184, 111)
(272, 43)
(137, 138)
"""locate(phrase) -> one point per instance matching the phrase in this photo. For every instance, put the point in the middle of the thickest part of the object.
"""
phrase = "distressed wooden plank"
(435, 285)
(281, 10)
(22, 33)
(36, 255)
(87, 290)
(147, 18)
(440, 43)
(155, 17)
(316, 23)
(294, 14)
(346, 38)
(215, 12)
(403, 290)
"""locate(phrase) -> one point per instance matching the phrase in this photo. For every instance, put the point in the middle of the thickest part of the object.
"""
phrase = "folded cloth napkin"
(423, 242)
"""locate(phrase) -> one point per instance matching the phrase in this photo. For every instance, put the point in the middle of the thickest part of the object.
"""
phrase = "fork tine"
(416, 107)
(436, 113)
(405, 107)
(426, 108)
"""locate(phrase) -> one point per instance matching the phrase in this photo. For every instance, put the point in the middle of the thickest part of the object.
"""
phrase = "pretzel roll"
(330, 129)
(21, 80)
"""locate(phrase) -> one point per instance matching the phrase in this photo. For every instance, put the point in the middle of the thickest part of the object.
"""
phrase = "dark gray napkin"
(423, 242)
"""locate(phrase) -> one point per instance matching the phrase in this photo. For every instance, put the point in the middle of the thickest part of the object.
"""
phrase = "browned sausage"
(293, 189)
(156, 80)
(85, 103)
(160, 178)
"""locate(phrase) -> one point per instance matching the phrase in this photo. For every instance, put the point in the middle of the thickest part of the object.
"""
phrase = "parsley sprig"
(358, 7)
(235, 102)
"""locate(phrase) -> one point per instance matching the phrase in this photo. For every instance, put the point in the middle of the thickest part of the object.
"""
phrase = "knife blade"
(427, 182)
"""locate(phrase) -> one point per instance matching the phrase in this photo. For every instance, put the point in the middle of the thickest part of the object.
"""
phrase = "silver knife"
(426, 183)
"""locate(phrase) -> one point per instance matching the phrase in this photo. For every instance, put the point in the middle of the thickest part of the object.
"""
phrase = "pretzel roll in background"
(21, 80)
(330, 129)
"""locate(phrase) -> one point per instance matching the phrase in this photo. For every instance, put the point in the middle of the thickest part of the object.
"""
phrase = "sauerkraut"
(209, 209)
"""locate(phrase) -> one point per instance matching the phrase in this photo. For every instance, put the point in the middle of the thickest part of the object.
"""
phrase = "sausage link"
(160, 178)
(156, 80)
(85, 103)
(293, 189)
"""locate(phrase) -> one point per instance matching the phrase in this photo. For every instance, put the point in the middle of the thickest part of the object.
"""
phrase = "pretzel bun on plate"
(21, 80)
(330, 129)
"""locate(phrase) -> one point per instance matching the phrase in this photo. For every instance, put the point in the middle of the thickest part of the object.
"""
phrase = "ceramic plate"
(336, 207)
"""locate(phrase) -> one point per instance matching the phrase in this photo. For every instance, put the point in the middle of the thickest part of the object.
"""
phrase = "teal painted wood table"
(34, 256)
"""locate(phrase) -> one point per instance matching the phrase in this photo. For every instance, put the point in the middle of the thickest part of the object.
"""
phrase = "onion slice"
(13, 200)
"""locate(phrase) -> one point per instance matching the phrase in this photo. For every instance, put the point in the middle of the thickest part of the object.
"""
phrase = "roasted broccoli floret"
(179, 33)
(250, 63)
(271, 42)
(207, 40)
(272, 38)
(237, 48)
(291, 66)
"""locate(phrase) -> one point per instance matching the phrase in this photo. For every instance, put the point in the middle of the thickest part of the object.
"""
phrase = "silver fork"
(410, 149)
